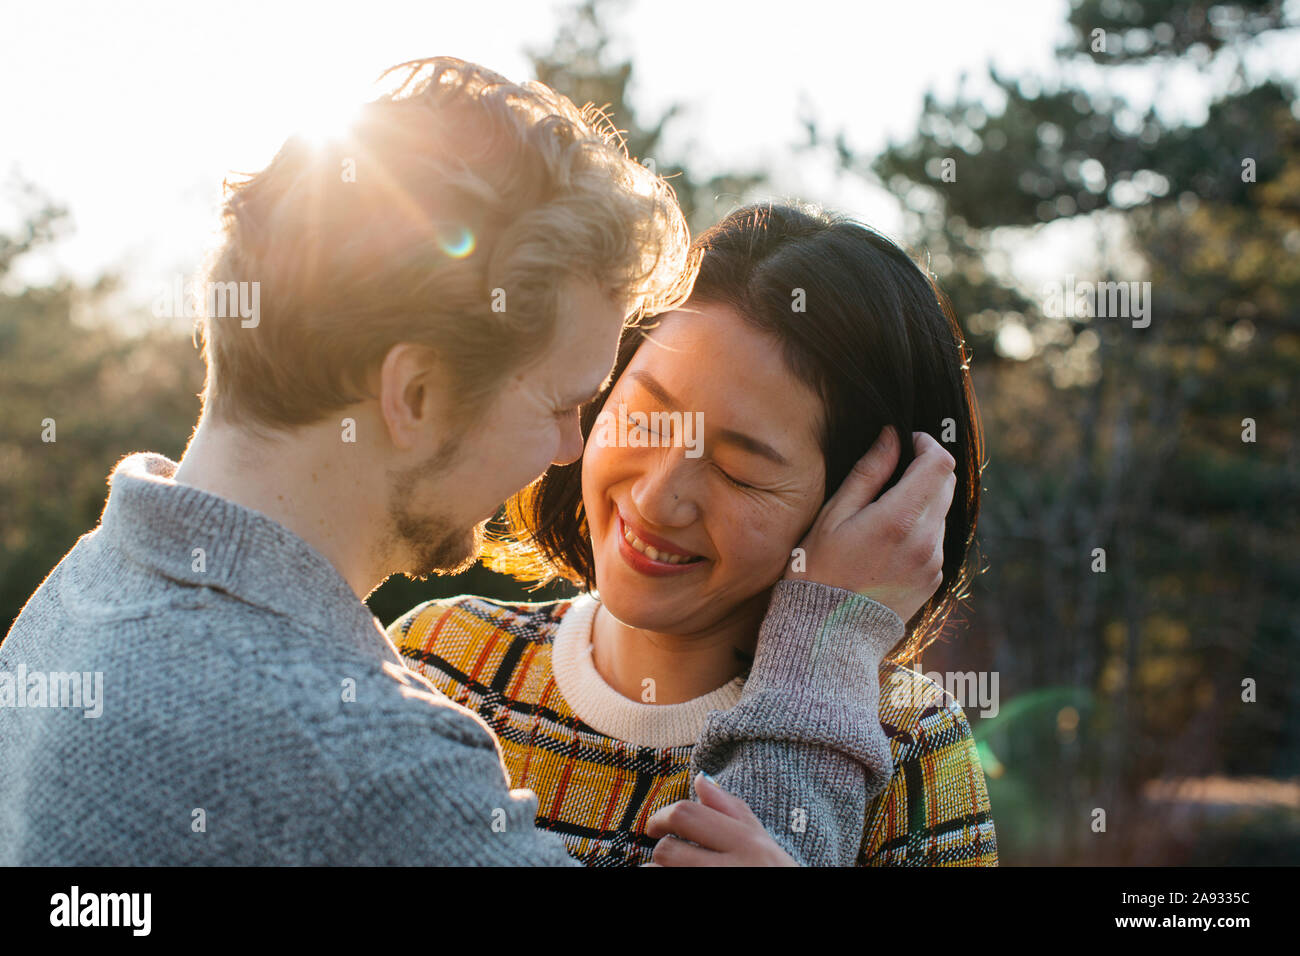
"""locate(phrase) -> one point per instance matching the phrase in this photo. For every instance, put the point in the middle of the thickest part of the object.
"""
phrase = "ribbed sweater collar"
(609, 712)
(160, 524)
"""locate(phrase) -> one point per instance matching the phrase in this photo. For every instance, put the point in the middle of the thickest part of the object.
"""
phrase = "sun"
(325, 121)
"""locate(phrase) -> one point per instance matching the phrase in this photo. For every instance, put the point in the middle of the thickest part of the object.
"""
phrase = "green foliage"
(1128, 439)
(1151, 29)
(107, 395)
(578, 63)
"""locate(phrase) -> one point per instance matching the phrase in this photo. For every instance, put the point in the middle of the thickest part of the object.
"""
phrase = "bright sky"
(131, 114)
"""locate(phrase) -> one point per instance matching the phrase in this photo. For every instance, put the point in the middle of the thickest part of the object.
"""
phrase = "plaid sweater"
(598, 785)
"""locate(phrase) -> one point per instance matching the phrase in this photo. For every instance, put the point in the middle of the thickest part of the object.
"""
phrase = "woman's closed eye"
(634, 424)
(738, 484)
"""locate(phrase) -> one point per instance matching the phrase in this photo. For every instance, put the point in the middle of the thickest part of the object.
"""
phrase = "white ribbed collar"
(605, 709)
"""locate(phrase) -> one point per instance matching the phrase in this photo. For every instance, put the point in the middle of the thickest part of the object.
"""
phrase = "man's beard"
(436, 546)
(433, 541)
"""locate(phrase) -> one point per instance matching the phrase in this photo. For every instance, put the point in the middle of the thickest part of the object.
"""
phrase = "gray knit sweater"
(194, 684)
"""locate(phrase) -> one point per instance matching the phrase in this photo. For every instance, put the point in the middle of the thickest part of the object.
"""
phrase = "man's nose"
(570, 449)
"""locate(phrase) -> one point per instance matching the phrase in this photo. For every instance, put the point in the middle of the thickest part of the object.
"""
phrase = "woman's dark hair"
(878, 342)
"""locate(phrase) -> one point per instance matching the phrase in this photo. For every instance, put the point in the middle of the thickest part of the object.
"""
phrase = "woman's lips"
(644, 563)
(646, 538)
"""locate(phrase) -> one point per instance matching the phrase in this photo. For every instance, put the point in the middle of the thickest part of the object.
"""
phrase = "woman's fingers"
(671, 851)
(935, 565)
(923, 486)
(713, 796)
(708, 827)
(884, 548)
(942, 500)
(868, 475)
(720, 830)
(932, 522)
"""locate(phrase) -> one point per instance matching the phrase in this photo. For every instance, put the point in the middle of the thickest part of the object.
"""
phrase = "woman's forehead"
(715, 361)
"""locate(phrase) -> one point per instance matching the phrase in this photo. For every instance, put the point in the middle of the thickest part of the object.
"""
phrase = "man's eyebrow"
(726, 435)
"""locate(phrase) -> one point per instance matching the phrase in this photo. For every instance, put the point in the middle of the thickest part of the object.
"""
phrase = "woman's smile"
(656, 559)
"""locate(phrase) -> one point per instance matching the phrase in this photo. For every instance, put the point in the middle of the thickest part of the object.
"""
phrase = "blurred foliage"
(1103, 435)
(106, 393)
(1099, 435)
(579, 64)
(1149, 29)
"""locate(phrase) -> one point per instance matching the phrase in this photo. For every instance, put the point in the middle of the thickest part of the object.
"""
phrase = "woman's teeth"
(653, 553)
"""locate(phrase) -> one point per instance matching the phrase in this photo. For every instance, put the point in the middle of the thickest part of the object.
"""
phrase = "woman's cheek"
(592, 465)
(758, 540)
(595, 460)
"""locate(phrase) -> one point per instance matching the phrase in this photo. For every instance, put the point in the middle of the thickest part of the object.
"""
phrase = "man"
(435, 296)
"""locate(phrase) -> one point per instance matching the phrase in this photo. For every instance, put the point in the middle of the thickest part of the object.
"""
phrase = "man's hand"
(721, 830)
(889, 550)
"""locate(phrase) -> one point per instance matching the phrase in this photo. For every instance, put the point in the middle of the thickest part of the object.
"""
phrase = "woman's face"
(736, 495)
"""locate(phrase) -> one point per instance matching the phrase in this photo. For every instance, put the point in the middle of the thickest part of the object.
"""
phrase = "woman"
(805, 336)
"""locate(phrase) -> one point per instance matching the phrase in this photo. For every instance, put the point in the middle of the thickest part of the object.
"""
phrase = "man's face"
(438, 507)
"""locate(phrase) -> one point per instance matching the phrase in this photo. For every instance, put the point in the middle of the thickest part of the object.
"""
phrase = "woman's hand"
(721, 830)
(889, 550)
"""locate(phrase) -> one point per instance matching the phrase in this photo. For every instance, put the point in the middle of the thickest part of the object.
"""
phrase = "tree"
(578, 64)
(76, 394)
(1171, 446)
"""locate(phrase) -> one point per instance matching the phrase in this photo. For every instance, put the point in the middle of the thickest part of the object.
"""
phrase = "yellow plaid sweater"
(596, 790)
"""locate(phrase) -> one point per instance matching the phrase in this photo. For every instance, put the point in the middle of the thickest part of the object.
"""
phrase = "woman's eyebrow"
(726, 435)
(751, 444)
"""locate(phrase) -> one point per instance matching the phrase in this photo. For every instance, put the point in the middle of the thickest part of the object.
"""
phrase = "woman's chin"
(635, 606)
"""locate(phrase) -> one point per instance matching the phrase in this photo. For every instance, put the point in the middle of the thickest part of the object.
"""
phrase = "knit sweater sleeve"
(804, 746)
(452, 807)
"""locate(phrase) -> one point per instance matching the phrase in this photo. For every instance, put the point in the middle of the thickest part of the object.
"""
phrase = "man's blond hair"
(447, 216)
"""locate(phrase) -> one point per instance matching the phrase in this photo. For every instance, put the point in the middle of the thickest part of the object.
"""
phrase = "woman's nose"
(662, 495)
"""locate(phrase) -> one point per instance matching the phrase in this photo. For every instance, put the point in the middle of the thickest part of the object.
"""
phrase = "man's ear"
(412, 392)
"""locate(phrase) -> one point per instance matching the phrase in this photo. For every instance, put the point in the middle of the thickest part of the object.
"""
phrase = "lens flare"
(456, 241)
